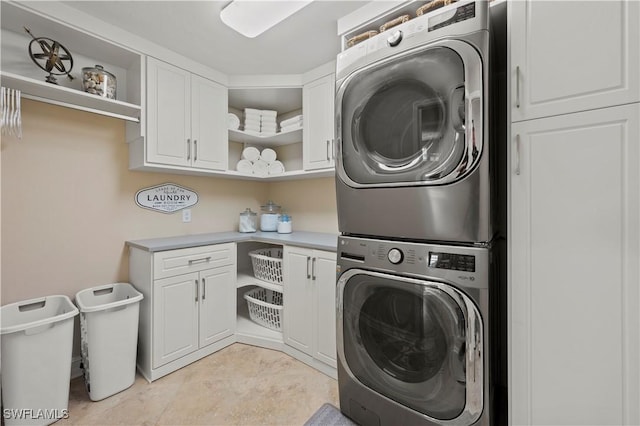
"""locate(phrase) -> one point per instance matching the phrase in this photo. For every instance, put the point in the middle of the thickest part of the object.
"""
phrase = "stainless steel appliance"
(413, 332)
(413, 154)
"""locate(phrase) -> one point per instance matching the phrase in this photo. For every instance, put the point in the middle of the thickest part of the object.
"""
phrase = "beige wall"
(68, 204)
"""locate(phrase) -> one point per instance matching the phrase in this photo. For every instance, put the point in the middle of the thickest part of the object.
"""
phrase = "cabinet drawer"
(194, 259)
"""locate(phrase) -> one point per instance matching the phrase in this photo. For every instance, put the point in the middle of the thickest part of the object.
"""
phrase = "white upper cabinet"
(186, 120)
(319, 130)
(569, 56)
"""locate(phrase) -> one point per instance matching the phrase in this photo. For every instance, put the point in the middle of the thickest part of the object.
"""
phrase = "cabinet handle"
(313, 269)
(202, 259)
(195, 150)
(328, 148)
(518, 86)
(204, 290)
(188, 149)
(197, 290)
(333, 149)
(308, 274)
(518, 154)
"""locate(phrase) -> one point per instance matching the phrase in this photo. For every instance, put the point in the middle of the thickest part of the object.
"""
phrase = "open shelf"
(70, 98)
(249, 331)
(245, 279)
(280, 138)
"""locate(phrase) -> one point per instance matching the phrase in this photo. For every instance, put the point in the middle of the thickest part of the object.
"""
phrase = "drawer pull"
(202, 259)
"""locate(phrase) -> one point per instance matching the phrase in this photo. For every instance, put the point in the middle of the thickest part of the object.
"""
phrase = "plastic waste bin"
(109, 337)
(37, 340)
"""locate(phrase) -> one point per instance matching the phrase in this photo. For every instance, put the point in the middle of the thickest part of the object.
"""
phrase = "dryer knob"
(395, 38)
(395, 256)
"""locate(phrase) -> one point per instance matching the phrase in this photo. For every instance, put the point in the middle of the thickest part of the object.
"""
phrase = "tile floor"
(239, 385)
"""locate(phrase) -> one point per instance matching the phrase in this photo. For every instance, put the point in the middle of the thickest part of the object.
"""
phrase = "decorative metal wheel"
(50, 56)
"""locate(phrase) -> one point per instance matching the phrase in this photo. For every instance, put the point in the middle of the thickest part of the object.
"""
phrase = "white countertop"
(313, 240)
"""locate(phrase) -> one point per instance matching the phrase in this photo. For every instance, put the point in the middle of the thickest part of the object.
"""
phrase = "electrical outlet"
(186, 215)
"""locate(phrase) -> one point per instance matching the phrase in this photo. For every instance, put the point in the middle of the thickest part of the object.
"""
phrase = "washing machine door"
(416, 342)
(413, 119)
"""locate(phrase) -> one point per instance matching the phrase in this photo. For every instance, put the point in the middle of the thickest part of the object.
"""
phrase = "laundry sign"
(166, 198)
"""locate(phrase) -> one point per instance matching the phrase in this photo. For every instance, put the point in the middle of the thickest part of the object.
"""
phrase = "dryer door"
(416, 342)
(412, 119)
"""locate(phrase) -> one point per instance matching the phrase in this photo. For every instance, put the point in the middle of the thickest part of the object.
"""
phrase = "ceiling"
(193, 28)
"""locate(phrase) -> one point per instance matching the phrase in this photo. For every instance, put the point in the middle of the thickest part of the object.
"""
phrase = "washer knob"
(395, 256)
(395, 38)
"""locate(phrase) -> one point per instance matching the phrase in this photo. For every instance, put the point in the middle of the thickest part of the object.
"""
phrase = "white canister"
(284, 224)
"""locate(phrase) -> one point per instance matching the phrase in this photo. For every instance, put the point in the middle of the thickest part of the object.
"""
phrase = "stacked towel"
(258, 163)
(252, 120)
(292, 123)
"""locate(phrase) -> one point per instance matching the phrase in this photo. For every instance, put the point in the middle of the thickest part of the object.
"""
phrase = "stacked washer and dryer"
(420, 188)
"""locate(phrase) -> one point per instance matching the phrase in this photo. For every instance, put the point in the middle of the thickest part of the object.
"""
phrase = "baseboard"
(76, 371)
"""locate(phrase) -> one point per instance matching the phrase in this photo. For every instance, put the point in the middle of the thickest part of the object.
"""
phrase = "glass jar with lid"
(269, 217)
(97, 81)
(248, 221)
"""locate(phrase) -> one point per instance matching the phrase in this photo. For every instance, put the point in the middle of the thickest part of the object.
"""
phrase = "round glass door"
(405, 120)
(408, 342)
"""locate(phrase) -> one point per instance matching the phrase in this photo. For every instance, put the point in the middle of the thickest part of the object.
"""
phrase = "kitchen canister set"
(271, 220)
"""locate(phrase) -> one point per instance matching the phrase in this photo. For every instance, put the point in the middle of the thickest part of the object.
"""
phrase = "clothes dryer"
(413, 156)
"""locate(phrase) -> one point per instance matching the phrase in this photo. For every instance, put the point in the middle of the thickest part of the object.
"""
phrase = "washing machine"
(413, 151)
(413, 332)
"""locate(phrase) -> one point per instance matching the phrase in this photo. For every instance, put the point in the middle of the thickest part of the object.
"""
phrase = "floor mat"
(328, 415)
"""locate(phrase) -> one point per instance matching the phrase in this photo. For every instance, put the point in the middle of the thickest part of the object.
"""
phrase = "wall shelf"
(70, 98)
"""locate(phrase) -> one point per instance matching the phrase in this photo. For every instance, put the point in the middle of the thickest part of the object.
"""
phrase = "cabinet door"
(324, 280)
(209, 132)
(168, 113)
(298, 297)
(217, 304)
(318, 130)
(175, 318)
(568, 57)
(574, 239)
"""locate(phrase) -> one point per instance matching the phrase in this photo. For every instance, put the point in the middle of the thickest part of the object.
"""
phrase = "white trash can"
(109, 337)
(37, 340)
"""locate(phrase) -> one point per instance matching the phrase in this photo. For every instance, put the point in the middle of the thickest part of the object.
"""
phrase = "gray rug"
(328, 415)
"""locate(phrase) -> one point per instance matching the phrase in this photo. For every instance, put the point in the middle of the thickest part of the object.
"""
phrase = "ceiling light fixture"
(253, 17)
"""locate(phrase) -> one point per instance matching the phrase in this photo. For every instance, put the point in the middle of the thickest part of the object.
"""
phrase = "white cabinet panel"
(210, 147)
(168, 113)
(175, 318)
(217, 304)
(575, 269)
(319, 133)
(310, 302)
(193, 259)
(568, 56)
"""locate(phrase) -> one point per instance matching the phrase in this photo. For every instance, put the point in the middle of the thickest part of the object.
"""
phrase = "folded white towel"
(252, 121)
(293, 120)
(251, 153)
(268, 113)
(252, 111)
(245, 166)
(276, 168)
(260, 168)
(233, 121)
(268, 155)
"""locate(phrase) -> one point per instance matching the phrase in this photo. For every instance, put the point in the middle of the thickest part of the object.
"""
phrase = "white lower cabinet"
(188, 310)
(575, 267)
(310, 303)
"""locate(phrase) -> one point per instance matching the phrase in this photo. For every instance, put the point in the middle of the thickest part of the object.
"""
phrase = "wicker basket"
(265, 307)
(267, 264)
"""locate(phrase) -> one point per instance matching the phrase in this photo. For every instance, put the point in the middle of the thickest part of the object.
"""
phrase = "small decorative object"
(51, 56)
(99, 82)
